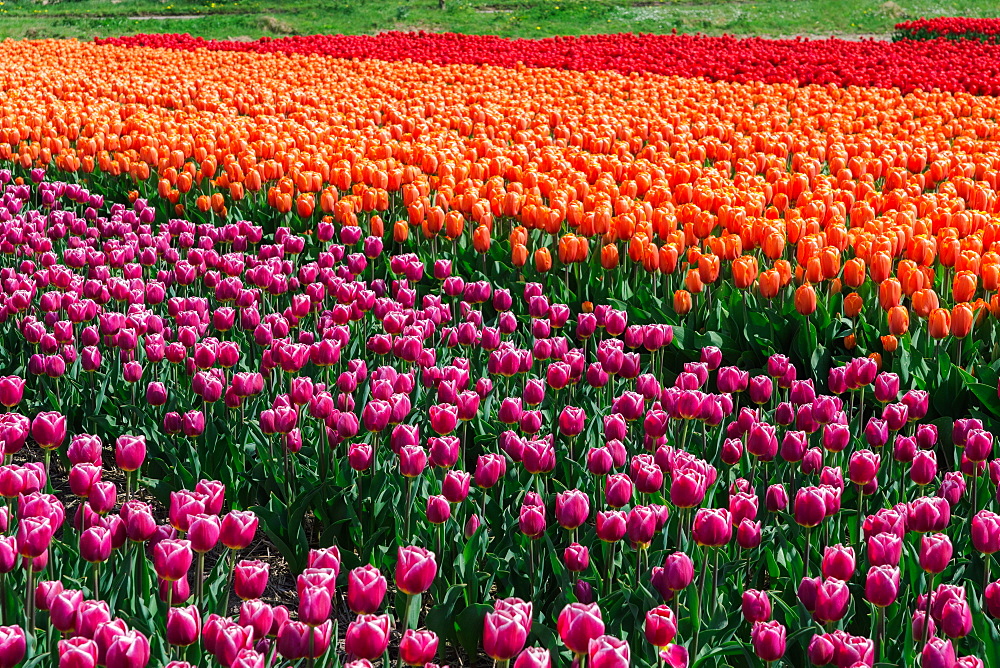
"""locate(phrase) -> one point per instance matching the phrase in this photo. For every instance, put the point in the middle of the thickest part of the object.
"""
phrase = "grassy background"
(244, 19)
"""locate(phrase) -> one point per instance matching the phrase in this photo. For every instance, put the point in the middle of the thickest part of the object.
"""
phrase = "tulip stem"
(409, 509)
(927, 612)
(29, 600)
(611, 567)
(48, 478)
(805, 566)
(96, 573)
(3, 600)
(701, 592)
(200, 586)
(229, 581)
(861, 515)
(879, 633)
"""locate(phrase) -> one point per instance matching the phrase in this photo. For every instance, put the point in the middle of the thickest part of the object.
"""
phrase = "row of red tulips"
(951, 27)
(908, 65)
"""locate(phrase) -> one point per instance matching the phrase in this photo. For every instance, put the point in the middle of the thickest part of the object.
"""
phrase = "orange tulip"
(925, 301)
(543, 260)
(400, 231)
(961, 320)
(519, 255)
(854, 272)
(609, 256)
(805, 299)
(939, 323)
(744, 271)
(850, 342)
(708, 268)
(878, 360)
(889, 343)
(853, 303)
(899, 320)
(769, 283)
(481, 239)
(963, 286)
(304, 205)
(890, 293)
(692, 281)
(682, 302)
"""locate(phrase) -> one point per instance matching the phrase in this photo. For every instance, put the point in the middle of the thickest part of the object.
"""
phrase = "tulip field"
(442, 350)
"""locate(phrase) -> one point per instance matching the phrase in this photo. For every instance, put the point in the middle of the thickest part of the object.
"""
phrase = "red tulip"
(882, 585)
(129, 650)
(367, 636)
(578, 624)
(608, 652)
(49, 429)
(416, 569)
(756, 606)
(712, 527)
(238, 529)
(768, 640)
(661, 626)
(935, 552)
(418, 647)
(183, 626)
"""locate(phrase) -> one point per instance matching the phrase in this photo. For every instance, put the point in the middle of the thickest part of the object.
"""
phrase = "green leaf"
(469, 627)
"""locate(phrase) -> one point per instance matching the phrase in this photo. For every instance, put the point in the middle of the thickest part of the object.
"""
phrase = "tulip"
(608, 652)
(257, 615)
(618, 490)
(756, 606)
(504, 634)
(183, 626)
(49, 429)
(712, 527)
(882, 585)
(986, 532)
(238, 529)
(885, 549)
(935, 552)
(250, 579)
(76, 652)
(572, 508)
(129, 650)
(532, 521)
(832, 598)
(438, 509)
(991, 596)
(768, 640)
(838, 562)
(34, 534)
(810, 507)
(576, 557)
(367, 637)
(130, 452)
(172, 559)
(11, 390)
(938, 653)
(661, 626)
(956, 618)
(418, 647)
(13, 645)
(95, 544)
(416, 569)
(578, 624)
(533, 657)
